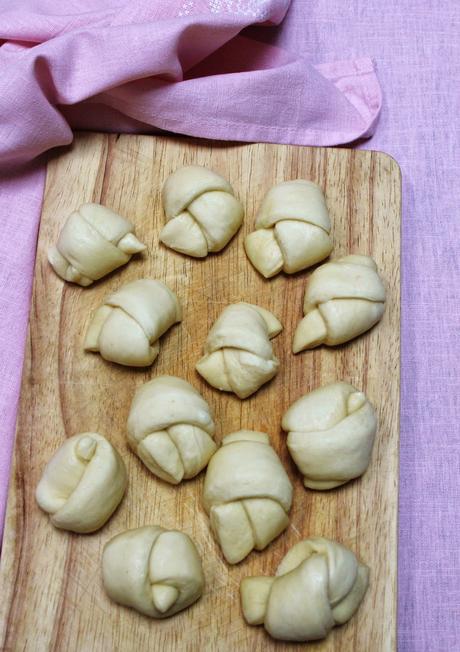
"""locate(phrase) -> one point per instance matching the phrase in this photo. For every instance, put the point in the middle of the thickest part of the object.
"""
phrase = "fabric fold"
(185, 72)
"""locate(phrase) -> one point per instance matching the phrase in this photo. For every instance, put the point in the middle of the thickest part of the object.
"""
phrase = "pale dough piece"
(247, 494)
(238, 352)
(292, 229)
(93, 242)
(318, 585)
(170, 427)
(82, 484)
(343, 299)
(127, 327)
(202, 211)
(331, 434)
(152, 570)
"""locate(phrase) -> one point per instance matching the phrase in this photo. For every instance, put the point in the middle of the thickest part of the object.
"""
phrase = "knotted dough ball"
(238, 352)
(331, 435)
(82, 484)
(202, 211)
(170, 427)
(292, 229)
(93, 242)
(247, 494)
(318, 585)
(152, 570)
(343, 299)
(127, 327)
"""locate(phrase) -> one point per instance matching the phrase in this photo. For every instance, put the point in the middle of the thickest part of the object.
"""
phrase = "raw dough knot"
(127, 327)
(170, 427)
(155, 571)
(202, 211)
(318, 585)
(331, 434)
(247, 494)
(292, 229)
(343, 299)
(93, 242)
(238, 353)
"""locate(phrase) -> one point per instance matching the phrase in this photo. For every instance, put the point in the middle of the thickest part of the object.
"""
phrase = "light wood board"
(52, 596)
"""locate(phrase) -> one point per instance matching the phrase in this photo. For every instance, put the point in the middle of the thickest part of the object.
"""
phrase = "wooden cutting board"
(52, 596)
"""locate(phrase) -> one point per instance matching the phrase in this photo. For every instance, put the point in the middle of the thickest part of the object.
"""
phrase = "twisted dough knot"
(318, 585)
(202, 211)
(170, 427)
(331, 434)
(247, 494)
(343, 299)
(238, 352)
(82, 484)
(292, 229)
(155, 571)
(127, 327)
(93, 242)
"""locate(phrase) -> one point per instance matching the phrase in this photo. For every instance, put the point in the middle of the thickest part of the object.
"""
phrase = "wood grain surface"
(52, 596)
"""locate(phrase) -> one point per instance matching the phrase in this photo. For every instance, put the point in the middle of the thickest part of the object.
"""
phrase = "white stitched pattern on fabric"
(255, 8)
(187, 8)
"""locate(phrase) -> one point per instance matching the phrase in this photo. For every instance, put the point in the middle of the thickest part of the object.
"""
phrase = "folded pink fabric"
(139, 66)
(177, 66)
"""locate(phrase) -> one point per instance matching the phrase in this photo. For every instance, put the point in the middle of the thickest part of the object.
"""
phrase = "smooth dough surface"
(238, 353)
(82, 484)
(331, 433)
(319, 584)
(93, 242)
(171, 428)
(343, 299)
(202, 211)
(292, 229)
(152, 570)
(247, 494)
(127, 327)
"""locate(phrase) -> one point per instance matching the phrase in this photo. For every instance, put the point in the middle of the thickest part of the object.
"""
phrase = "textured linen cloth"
(416, 46)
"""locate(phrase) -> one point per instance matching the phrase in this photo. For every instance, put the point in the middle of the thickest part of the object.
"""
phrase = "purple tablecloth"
(416, 47)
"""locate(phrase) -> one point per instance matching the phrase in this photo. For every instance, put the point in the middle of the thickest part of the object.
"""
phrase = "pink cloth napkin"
(177, 65)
